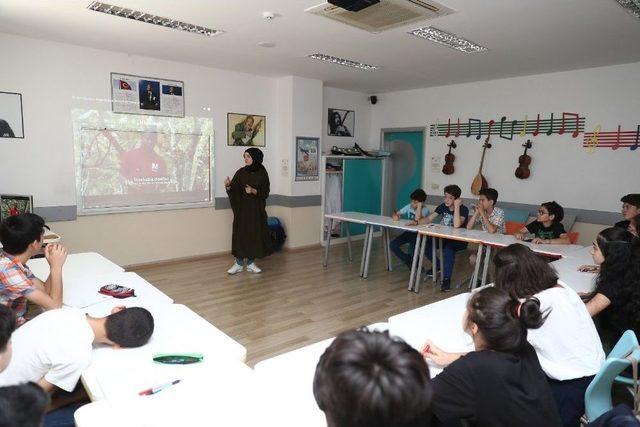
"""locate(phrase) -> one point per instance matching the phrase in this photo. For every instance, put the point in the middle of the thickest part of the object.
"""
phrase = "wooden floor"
(294, 301)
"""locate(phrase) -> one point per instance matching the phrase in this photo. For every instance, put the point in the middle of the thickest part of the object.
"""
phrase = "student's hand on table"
(56, 255)
(519, 236)
(541, 241)
(589, 268)
(412, 223)
(395, 217)
(437, 355)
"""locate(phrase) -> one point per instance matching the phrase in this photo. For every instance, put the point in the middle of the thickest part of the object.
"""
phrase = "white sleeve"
(66, 371)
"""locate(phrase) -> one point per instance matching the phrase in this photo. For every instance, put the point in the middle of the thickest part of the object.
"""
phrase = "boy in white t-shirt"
(413, 211)
(55, 348)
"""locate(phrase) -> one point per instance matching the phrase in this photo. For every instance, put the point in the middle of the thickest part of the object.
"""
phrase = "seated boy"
(547, 227)
(21, 237)
(454, 214)
(630, 209)
(487, 214)
(368, 379)
(55, 348)
(413, 211)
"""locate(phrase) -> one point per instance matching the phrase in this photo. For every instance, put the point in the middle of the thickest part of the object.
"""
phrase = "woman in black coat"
(248, 192)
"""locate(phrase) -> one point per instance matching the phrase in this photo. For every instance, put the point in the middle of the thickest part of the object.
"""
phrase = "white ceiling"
(523, 36)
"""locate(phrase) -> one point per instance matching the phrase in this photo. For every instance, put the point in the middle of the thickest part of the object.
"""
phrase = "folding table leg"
(349, 242)
(441, 260)
(476, 269)
(412, 274)
(416, 284)
(385, 244)
(434, 266)
(487, 255)
(326, 248)
(366, 264)
(364, 249)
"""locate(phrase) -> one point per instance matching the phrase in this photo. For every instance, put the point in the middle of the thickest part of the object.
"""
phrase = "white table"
(441, 322)
(210, 394)
(177, 330)
(285, 384)
(567, 269)
(76, 265)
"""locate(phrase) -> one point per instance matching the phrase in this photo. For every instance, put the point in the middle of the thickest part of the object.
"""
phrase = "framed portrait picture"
(246, 130)
(146, 95)
(11, 204)
(11, 122)
(341, 122)
(307, 158)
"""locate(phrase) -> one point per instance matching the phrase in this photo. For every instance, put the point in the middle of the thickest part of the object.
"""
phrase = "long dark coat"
(251, 237)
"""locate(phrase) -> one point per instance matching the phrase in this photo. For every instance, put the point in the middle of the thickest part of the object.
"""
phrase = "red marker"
(157, 389)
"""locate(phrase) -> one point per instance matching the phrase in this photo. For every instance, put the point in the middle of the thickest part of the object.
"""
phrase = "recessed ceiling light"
(342, 61)
(137, 15)
(631, 6)
(447, 39)
(266, 44)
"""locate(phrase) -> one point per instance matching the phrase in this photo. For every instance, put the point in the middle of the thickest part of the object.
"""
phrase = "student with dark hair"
(7, 326)
(616, 298)
(413, 211)
(368, 379)
(630, 209)
(22, 405)
(547, 227)
(501, 382)
(454, 214)
(568, 345)
(490, 217)
(55, 347)
(21, 237)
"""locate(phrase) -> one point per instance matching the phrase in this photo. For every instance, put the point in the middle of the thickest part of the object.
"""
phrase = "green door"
(362, 189)
(405, 166)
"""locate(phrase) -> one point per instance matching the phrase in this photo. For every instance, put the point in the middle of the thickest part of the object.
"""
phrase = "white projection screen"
(137, 163)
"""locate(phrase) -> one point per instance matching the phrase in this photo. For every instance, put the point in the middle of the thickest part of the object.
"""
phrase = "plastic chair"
(512, 227)
(627, 341)
(573, 236)
(597, 398)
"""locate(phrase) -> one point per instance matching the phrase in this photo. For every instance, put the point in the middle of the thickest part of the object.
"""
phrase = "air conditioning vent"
(385, 15)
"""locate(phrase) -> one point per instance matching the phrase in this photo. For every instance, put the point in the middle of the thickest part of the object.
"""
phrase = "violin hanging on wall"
(523, 172)
(449, 158)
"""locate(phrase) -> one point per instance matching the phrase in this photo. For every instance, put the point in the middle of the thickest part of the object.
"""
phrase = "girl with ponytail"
(501, 383)
(616, 298)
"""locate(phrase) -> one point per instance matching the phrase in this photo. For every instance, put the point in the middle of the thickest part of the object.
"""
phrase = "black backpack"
(276, 231)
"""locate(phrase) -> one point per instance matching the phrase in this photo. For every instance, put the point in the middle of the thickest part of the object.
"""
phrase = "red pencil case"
(117, 291)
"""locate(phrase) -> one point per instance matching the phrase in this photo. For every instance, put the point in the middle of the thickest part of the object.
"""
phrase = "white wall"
(561, 168)
(348, 100)
(51, 76)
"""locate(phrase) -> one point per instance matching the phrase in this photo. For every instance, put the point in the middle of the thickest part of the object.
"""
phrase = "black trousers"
(569, 396)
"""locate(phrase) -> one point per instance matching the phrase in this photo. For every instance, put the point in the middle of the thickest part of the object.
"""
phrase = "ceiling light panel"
(447, 39)
(137, 15)
(631, 6)
(342, 61)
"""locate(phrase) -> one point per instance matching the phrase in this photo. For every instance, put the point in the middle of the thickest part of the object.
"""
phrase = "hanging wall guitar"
(449, 158)
(523, 172)
(479, 182)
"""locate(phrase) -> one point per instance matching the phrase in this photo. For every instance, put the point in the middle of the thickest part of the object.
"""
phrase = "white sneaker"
(253, 268)
(236, 268)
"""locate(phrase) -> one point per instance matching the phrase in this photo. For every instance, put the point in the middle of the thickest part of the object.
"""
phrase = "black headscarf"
(257, 157)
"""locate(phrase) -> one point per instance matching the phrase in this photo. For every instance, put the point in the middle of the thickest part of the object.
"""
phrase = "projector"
(353, 5)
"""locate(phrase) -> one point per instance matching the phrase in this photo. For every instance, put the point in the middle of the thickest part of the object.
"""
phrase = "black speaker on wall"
(373, 99)
(353, 5)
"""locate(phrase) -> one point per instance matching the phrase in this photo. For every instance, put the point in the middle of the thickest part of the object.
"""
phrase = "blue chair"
(597, 398)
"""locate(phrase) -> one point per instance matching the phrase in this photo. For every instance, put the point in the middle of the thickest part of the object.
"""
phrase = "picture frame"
(13, 204)
(246, 130)
(341, 123)
(11, 118)
(307, 159)
(131, 94)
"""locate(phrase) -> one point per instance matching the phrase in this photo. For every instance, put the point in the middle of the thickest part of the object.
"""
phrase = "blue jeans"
(396, 244)
(449, 249)
(240, 261)
(62, 417)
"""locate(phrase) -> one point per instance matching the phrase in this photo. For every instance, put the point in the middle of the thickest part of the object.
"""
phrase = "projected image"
(167, 162)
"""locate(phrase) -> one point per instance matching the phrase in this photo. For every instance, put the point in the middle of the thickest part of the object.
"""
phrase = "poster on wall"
(341, 122)
(11, 124)
(145, 95)
(246, 130)
(11, 205)
(306, 159)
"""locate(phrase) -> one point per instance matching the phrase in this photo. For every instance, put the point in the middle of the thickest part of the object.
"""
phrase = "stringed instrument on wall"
(523, 172)
(479, 182)
(449, 158)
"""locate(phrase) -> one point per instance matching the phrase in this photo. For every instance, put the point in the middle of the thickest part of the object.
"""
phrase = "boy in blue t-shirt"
(453, 214)
(414, 211)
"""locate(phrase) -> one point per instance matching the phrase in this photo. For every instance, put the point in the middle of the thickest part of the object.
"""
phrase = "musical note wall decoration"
(611, 139)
